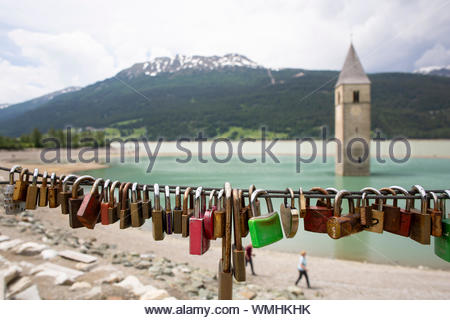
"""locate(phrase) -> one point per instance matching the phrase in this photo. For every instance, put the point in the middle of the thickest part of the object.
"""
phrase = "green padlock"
(264, 230)
(442, 244)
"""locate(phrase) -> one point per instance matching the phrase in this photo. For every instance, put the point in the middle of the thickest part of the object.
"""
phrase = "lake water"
(386, 248)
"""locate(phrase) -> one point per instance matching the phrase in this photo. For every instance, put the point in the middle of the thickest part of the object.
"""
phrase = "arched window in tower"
(356, 96)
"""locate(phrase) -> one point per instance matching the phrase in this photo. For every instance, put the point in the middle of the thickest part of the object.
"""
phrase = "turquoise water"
(379, 248)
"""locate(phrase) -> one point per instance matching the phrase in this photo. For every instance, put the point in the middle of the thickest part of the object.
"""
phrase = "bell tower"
(352, 118)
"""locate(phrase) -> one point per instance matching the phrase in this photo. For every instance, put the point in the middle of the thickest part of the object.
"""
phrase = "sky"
(48, 45)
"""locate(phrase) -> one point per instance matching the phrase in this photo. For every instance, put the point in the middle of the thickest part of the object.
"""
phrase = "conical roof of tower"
(352, 72)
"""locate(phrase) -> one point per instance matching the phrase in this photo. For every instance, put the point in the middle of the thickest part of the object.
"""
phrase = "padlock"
(125, 211)
(198, 243)
(264, 230)
(89, 212)
(392, 215)
(43, 190)
(168, 217)
(177, 212)
(290, 216)
(146, 204)
(405, 215)
(137, 218)
(442, 243)
(32, 192)
(225, 277)
(301, 202)
(76, 199)
(157, 216)
(21, 186)
(188, 211)
(53, 192)
(376, 222)
(113, 205)
(421, 220)
(238, 250)
(104, 205)
(340, 226)
(244, 214)
(219, 216)
(436, 216)
(11, 206)
(65, 193)
(208, 221)
(252, 189)
(316, 217)
(60, 188)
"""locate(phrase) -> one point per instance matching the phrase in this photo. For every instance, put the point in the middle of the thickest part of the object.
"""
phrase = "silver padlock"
(12, 207)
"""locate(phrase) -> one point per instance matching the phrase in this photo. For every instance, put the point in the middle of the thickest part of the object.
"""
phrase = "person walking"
(248, 257)
(302, 269)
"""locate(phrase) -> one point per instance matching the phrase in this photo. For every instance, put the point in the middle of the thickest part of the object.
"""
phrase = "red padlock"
(104, 205)
(405, 214)
(316, 217)
(89, 211)
(209, 216)
(198, 243)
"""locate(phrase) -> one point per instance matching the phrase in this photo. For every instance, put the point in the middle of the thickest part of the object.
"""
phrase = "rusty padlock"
(137, 218)
(104, 205)
(316, 217)
(188, 211)
(146, 203)
(301, 202)
(225, 275)
(209, 216)
(43, 190)
(76, 199)
(405, 215)
(157, 216)
(89, 212)
(113, 205)
(177, 213)
(21, 186)
(238, 250)
(219, 216)
(53, 192)
(32, 192)
(65, 193)
(11, 206)
(198, 243)
(421, 220)
(340, 226)
(436, 216)
(392, 214)
(125, 211)
(377, 214)
(168, 217)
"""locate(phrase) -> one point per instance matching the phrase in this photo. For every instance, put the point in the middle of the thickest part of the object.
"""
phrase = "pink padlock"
(198, 243)
(209, 216)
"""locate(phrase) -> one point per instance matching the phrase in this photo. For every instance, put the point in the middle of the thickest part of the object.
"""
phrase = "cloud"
(76, 42)
(436, 56)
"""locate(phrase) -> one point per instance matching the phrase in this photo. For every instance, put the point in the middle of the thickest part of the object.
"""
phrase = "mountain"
(4, 105)
(177, 97)
(443, 71)
(14, 110)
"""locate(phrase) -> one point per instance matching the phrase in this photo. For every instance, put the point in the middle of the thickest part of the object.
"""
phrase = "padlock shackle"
(253, 200)
(12, 171)
(125, 195)
(220, 200)
(212, 197)
(435, 200)
(187, 200)
(35, 176)
(236, 220)
(332, 190)
(338, 202)
(106, 189)
(99, 182)
(44, 179)
(167, 199)
(134, 192)
(112, 200)
(68, 178)
(157, 201)
(322, 191)
(23, 172)
(199, 202)
(447, 193)
(365, 201)
(146, 195)
(392, 192)
(53, 180)
(76, 184)
(405, 193)
(290, 192)
(423, 195)
(177, 198)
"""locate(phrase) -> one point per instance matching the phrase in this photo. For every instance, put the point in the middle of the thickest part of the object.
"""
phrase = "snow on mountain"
(4, 105)
(443, 71)
(181, 62)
